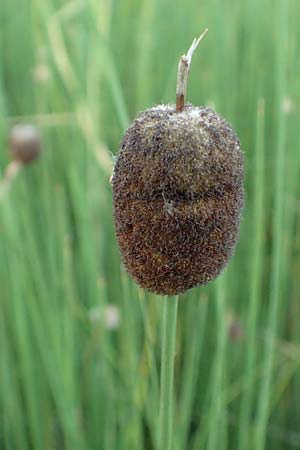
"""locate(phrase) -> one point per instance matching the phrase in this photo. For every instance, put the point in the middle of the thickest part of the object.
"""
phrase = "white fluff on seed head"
(24, 132)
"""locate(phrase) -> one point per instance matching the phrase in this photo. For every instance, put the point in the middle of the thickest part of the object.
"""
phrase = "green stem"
(167, 373)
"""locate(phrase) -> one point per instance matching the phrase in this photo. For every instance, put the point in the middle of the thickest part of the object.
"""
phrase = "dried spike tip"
(184, 67)
(178, 196)
(25, 143)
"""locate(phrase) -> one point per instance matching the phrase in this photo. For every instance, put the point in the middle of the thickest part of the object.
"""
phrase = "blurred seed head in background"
(25, 143)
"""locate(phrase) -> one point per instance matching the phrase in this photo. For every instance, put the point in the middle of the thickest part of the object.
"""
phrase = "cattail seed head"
(178, 195)
(25, 143)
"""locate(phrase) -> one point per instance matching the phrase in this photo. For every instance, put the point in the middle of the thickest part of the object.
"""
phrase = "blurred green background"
(79, 342)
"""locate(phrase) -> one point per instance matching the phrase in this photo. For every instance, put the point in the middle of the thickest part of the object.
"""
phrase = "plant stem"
(167, 373)
(10, 174)
(183, 73)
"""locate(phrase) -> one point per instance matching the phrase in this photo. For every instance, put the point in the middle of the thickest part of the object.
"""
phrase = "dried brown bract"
(178, 195)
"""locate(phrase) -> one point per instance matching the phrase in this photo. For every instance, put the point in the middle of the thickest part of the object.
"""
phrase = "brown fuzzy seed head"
(24, 143)
(178, 195)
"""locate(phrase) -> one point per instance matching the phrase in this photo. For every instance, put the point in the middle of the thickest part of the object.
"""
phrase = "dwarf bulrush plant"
(178, 196)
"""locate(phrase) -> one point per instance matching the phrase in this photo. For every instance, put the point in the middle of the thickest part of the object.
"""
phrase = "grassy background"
(81, 70)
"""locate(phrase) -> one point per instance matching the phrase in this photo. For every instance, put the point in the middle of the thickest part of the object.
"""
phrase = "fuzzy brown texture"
(178, 195)
(24, 143)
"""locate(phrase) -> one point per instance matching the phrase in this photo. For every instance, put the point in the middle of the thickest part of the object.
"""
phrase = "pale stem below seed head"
(183, 72)
(10, 174)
